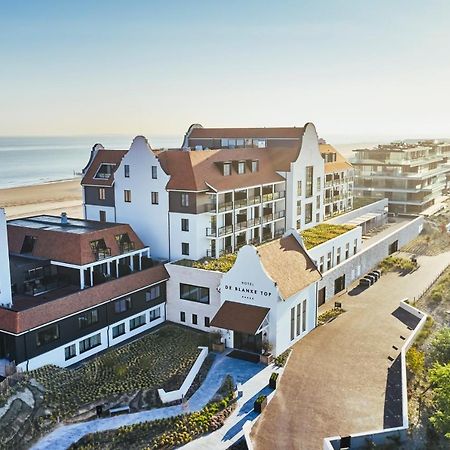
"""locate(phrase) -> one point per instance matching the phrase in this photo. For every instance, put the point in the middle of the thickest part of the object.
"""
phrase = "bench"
(119, 410)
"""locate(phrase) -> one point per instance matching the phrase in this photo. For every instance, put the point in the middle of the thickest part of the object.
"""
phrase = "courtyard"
(335, 380)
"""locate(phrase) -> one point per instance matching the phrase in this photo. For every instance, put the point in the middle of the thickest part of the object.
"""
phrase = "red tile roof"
(20, 321)
(103, 156)
(273, 132)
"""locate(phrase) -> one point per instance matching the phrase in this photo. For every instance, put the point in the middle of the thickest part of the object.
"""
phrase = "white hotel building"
(151, 215)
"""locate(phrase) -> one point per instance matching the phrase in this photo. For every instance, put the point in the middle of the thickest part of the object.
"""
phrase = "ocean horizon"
(26, 161)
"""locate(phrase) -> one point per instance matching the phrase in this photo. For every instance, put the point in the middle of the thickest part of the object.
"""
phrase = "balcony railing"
(254, 222)
(225, 251)
(279, 232)
(279, 194)
(279, 215)
(222, 231)
(227, 206)
(267, 197)
(267, 218)
(211, 232)
(240, 226)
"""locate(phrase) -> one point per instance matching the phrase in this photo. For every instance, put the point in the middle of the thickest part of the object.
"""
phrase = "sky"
(359, 70)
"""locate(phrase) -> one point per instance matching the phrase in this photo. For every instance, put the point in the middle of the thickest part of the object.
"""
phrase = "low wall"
(367, 259)
(172, 396)
(379, 437)
(375, 207)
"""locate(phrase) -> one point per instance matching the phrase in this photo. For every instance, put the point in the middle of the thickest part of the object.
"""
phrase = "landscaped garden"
(166, 433)
(323, 232)
(397, 264)
(329, 315)
(128, 375)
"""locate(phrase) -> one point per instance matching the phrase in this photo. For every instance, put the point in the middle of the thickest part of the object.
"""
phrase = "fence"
(416, 299)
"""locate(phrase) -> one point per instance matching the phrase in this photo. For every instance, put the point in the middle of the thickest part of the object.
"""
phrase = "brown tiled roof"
(20, 321)
(239, 317)
(68, 247)
(341, 162)
(103, 156)
(289, 265)
(274, 132)
(197, 170)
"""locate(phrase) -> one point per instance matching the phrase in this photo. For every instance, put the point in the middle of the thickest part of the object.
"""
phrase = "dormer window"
(226, 169)
(104, 171)
(241, 167)
(28, 244)
(255, 166)
(261, 143)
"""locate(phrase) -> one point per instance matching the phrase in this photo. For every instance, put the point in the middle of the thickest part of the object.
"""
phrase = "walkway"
(249, 375)
(335, 380)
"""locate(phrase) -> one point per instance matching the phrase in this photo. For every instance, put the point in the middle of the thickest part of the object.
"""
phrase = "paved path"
(243, 373)
(335, 380)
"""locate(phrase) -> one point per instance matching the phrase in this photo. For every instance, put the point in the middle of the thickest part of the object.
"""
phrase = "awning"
(240, 317)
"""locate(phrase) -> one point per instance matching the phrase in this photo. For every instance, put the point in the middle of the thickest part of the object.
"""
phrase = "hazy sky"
(359, 70)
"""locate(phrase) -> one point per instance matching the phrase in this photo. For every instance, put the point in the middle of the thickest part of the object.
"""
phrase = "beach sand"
(48, 198)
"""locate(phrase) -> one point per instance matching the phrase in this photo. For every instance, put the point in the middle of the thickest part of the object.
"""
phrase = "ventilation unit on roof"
(199, 147)
(64, 220)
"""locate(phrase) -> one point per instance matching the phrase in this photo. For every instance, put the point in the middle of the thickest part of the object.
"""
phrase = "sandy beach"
(47, 198)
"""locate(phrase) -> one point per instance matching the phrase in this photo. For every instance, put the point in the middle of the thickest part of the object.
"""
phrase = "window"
(206, 322)
(321, 264)
(347, 250)
(194, 319)
(185, 248)
(338, 255)
(317, 217)
(102, 215)
(304, 316)
(194, 293)
(155, 314)
(184, 199)
(28, 244)
(184, 224)
(182, 316)
(104, 171)
(153, 293)
(137, 322)
(154, 172)
(47, 335)
(101, 193)
(90, 342)
(329, 261)
(118, 330)
(226, 169)
(122, 305)
(292, 323)
(88, 318)
(308, 213)
(299, 188)
(298, 319)
(355, 246)
(260, 143)
(127, 196)
(255, 166)
(241, 167)
(299, 207)
(155, 199)
(309, 181)
(70, 352)
(319, 184)
(126, 168)
(318, 202)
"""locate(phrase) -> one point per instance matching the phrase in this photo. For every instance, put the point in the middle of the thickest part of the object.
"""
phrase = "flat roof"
(53, 223)
(364, 218)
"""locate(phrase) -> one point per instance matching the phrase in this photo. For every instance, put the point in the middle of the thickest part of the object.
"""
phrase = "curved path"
(243, 373)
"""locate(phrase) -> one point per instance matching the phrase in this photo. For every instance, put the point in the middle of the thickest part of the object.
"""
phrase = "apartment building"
(338, 189)
(224, 188)
(411, 176)
(78, 287)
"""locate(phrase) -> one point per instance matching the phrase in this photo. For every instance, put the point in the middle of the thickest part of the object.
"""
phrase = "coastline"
(51, 197)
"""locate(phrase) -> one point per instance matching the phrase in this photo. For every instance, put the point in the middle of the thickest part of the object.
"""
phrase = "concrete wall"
(5, 280)
(367, 259)
(375, 207)
(172, 396)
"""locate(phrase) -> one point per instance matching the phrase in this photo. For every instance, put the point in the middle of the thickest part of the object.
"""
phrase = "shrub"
(440, 346)
(280, 360)
(322, 233)
(415, 360)
(274, 376)
(439, 378)
(260, 399)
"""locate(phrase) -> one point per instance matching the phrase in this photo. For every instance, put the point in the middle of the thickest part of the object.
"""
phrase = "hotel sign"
(247, 290)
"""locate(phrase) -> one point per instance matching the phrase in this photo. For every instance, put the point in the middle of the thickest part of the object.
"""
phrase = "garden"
(166, 433)
(329, 315)
(397, 264)
(322, 233)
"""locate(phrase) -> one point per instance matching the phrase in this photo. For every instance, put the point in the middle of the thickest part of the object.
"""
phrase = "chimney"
(64, 218)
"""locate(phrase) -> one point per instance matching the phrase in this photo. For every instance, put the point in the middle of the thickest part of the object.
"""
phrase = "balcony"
(267, 218)
(240, 226)
(267, 197)
(101, 253)
(211, 232)
(226, 206)
(227, 229)
(254, 222)
(279, 232)
(279, 194)
(279, 215)
(240, 203)
(225, 251)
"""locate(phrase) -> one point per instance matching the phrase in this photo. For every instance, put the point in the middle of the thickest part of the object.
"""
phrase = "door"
(248, 342)
(321, 297)
(339, 284)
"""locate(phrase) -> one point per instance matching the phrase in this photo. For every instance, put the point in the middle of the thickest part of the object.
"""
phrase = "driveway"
(335, 380)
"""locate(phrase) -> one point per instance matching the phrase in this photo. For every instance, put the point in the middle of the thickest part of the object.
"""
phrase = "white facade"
(92, 212)
(149, 220)
(57, 355)
(249, 273)
(297, 200)
(5, 280)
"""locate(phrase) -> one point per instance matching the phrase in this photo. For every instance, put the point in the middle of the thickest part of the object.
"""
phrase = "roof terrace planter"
(260, 403)
(323, 232)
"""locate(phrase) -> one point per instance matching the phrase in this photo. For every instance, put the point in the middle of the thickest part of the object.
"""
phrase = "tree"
(440, 346)
(439, 378)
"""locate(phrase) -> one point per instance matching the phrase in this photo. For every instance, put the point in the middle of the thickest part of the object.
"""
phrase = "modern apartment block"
(78, 287)
(224, 188)
(338, 194)
(411, 176)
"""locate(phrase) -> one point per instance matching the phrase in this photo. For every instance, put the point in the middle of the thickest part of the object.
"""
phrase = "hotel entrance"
(247, 342)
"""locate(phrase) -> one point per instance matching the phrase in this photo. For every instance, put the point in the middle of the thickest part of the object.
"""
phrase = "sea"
(26, 161)
(34, 160)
